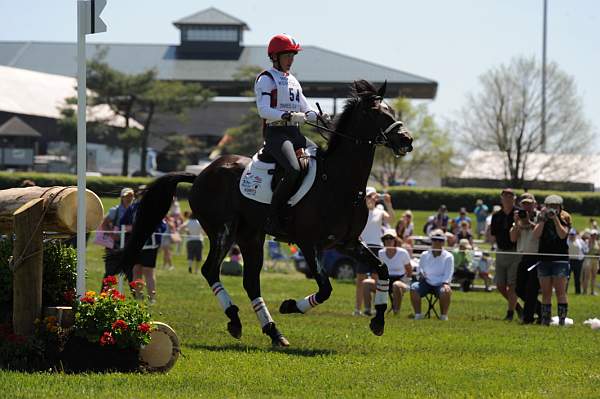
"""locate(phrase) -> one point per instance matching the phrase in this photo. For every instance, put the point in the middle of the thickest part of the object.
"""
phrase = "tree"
(166, 97)
(505, 115)
(179, 152)
(431, 146)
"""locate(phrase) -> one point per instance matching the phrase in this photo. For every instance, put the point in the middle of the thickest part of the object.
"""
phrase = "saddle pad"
(256, 180)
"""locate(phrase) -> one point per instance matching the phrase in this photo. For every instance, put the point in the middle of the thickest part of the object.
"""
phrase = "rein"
(381, 138)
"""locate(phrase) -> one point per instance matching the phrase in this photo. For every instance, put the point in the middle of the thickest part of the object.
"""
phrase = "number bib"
(288, 91)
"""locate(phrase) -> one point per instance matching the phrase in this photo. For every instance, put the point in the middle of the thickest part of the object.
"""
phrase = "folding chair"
(274, 251)
(432, 299)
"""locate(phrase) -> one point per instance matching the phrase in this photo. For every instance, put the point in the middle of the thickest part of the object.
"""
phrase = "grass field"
(333, 354)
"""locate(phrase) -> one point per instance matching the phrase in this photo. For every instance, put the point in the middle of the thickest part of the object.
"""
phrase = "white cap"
(389, 232)
(126, 191)
(370, 190)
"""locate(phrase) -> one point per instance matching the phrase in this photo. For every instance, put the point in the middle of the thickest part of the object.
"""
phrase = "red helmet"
(283, 44)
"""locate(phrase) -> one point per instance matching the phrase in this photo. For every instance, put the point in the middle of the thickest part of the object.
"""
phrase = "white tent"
(41, 94)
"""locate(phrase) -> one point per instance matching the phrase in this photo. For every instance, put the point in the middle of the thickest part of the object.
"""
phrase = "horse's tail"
(153, 207)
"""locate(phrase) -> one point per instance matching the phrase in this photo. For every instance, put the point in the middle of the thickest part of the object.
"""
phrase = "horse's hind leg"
(251, 244)
(220, 243)
(304, 305)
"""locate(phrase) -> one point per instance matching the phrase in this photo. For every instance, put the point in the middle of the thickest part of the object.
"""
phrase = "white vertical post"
(122, 245)
(81, 143)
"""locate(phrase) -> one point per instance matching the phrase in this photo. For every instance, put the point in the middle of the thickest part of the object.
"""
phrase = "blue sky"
(452, 42)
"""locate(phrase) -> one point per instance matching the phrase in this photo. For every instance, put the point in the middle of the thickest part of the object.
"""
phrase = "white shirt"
(289, 95)
(371, 234)
(437, 269)
(194, 230)
(576, 248)
(396, 263)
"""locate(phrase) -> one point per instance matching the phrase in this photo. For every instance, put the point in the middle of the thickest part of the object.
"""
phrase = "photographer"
(552, 229)
(521, 232)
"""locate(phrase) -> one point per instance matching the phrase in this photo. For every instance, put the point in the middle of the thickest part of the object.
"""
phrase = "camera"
(550, 212)
(522, 213)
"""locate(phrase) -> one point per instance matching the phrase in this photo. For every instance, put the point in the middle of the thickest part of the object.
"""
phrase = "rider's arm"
(305, 107)
(263, 89)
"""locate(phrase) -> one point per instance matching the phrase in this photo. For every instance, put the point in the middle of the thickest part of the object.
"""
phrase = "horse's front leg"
(311, 254)
(359, 251)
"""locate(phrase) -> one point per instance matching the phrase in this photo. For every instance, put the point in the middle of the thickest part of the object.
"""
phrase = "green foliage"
(246, 138)
(180, 152)
(432, 145)
(60, 273)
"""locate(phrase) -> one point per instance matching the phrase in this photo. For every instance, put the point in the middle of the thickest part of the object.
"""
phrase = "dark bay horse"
(332, 214)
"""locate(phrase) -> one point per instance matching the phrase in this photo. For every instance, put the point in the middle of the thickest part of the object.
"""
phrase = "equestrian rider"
(283, 108)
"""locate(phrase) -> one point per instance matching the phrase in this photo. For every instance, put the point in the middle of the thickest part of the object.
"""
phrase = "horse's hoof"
(289, 306)
(235, 330)
(376, 326)
(280, 342)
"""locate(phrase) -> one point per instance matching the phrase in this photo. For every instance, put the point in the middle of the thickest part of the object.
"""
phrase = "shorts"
(363, 268)
(194, 250)
(424, 288)
(483, 267)
(506, 268)
(147, 257)
(393, 279)
(556, 268)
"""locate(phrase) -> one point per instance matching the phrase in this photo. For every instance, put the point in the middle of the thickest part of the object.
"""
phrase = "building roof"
(42, 94)
(210, 16)
(323, 73)
(15, 127)
(540, 166)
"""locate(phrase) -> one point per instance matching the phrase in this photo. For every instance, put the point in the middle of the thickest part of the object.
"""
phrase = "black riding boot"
(281, 195)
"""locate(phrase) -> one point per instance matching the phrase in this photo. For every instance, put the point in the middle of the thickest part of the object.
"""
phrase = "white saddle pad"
(256, 180)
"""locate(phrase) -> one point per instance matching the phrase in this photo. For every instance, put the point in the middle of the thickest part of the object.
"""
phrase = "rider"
(283, 108)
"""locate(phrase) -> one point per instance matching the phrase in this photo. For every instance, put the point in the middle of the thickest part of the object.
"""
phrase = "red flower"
(107, 339)
(144, 327)
(137, 284)
(108, 282)
(115, 294)
(120, 325)
(88, 299)
(69, 296)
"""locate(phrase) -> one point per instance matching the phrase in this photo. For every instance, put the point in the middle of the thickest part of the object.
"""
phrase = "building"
(212, 52)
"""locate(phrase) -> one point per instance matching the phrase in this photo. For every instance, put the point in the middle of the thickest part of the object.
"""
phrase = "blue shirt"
(155, 239)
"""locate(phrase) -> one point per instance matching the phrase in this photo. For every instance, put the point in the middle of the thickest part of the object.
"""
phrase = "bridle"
(380, 139)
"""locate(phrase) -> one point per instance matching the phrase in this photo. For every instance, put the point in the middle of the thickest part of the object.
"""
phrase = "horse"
(332, 214)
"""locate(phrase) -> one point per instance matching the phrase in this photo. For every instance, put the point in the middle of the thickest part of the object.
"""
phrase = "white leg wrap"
(306, 304)
(381, 295)
(259, 306)
(222, 295)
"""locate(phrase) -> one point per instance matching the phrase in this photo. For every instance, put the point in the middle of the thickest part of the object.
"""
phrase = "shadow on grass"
(254, 349)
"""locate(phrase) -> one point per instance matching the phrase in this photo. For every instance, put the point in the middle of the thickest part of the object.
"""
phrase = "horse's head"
(387, 130)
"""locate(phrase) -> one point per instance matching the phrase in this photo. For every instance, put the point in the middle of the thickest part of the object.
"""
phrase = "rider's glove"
(298, 117)
(311, 116)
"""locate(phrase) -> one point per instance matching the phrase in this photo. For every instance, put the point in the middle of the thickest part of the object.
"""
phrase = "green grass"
(333, 354)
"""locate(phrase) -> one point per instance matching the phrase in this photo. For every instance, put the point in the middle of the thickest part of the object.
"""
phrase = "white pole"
(81, 144)
(121, 245)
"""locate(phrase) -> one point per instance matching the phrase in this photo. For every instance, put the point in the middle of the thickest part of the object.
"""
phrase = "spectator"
(577, 250)
(464, 232)
(441, 219)
(27, 183)
(507, 261)
(462, 264)
(481, 212)
(590, 269)
(462, 217)
(112, 223)
(521, 232)
(436, 267)
(450, 239)
(552, 230)
(167, 243)
(481, 265)
(488, 226)
(371, 235)
(398, 262)
(146, 263)
(429, 225)
(405, 227)
(194, 241)
(177, 217)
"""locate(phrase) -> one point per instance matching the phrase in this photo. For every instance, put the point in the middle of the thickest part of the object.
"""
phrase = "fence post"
(28, 258)
(121, 246)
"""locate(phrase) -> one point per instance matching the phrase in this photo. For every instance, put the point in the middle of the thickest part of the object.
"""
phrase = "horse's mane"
(359, 90)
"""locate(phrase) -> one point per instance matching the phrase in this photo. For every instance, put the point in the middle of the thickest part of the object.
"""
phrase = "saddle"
(262, 174)
(303, 158)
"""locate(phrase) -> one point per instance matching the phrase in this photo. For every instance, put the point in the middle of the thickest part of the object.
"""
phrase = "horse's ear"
(381, 91)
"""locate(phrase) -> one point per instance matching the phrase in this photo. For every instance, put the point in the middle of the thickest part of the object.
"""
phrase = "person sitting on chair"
(436, 267)
(283, 108)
